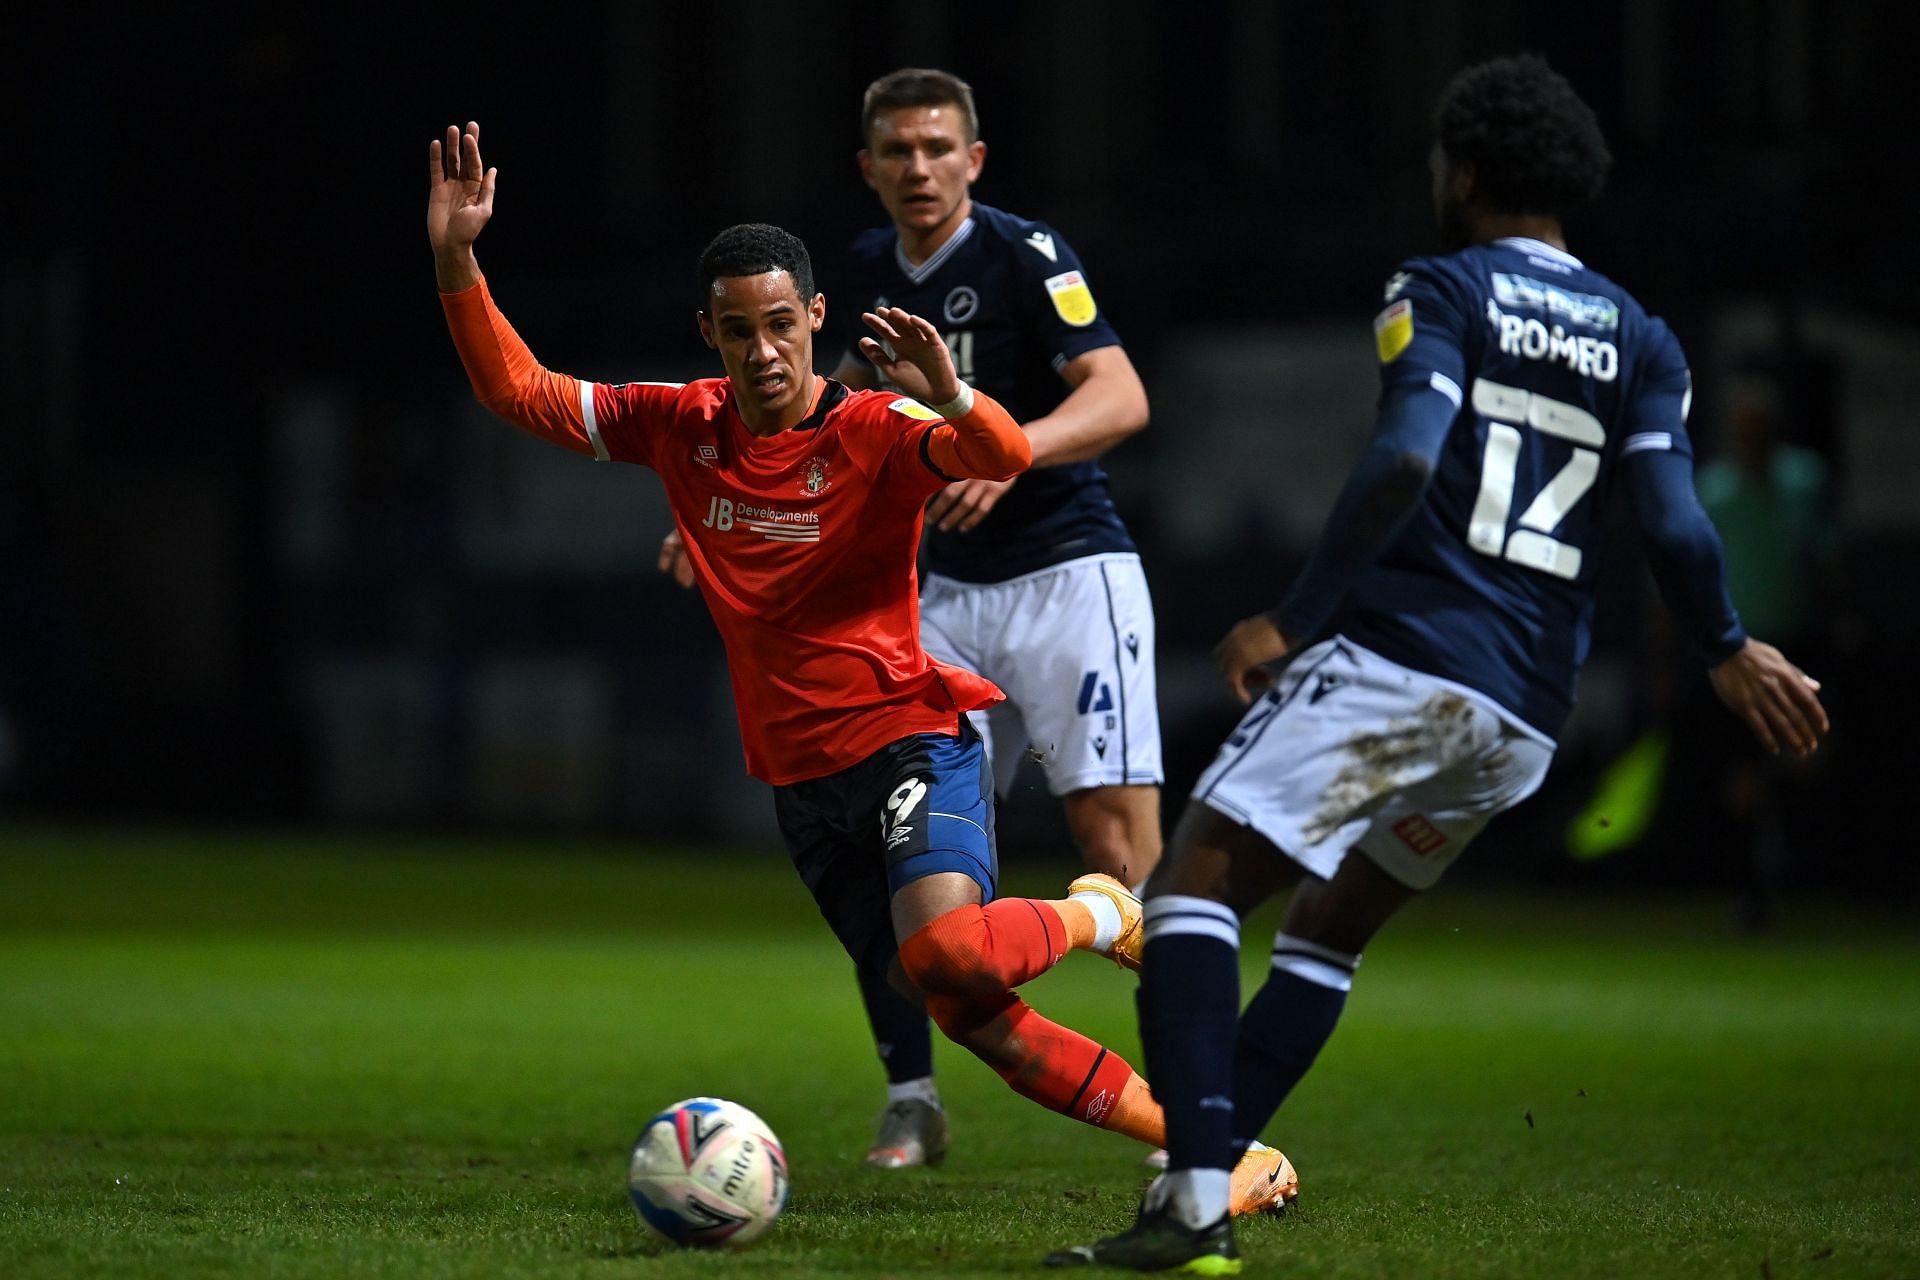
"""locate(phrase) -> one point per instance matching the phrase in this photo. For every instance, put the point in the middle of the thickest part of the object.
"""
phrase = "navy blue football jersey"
(1013, 303)
(1558, 374)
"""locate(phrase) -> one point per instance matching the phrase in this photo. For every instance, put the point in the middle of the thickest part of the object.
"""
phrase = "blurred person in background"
(1772, 502)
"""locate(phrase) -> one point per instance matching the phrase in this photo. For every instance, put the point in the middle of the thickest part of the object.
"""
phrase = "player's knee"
(947, 958)
(980, 1026)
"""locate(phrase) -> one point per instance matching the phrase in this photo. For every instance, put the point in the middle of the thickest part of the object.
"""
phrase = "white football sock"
(1106, 916)
(1196, 1197)
(924, 1089)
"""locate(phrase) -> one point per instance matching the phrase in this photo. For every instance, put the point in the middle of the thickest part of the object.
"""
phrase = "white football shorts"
(1072, 647)
(1350, 750)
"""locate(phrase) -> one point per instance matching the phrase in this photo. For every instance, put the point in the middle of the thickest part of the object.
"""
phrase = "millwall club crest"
(961, 303)
(813, 477)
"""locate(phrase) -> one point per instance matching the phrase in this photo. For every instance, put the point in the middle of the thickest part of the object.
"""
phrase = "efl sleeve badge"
(914, 409)
(1393, 330)
(1072, 299)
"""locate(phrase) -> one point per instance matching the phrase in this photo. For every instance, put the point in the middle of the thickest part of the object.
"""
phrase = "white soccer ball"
(707, 1171)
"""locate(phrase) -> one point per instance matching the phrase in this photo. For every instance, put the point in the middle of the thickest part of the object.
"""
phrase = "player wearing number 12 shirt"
(800, 503)
(1432, 641)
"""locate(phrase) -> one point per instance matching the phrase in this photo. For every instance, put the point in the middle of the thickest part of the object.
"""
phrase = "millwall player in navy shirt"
(1433, 639)
(1034, 583)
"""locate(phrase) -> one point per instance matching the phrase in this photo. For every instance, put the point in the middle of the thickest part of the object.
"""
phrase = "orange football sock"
(1055, 1066)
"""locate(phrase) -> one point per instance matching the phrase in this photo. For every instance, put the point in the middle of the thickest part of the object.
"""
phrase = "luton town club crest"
(813, 476)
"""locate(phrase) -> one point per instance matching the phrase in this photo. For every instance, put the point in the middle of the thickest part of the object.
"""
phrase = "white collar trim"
(940, 255)
(1541, 249)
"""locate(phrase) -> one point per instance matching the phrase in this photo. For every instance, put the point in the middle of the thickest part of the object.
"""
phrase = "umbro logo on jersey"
(706, 455)
(1042, 243)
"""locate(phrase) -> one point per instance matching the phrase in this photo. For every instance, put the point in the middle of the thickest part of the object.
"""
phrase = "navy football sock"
(900, 1031)
(1284, 1027)
(1189, 996)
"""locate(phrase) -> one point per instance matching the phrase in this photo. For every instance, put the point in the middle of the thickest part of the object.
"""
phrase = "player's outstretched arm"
(459, 202)
(1108, 403)
(980, 439)
(505, 376)
(1776, 699)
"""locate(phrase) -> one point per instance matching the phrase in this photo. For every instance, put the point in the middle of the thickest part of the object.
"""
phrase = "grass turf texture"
(223, 1055)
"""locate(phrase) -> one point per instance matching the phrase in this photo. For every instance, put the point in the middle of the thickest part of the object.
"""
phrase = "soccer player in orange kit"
(800, 503)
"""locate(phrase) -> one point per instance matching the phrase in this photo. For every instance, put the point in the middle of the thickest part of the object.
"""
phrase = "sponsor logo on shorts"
(1419, 835)
(1099, 1105)
(1095, 694)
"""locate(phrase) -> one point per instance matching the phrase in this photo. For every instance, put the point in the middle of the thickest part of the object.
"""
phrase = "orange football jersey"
(803, 543)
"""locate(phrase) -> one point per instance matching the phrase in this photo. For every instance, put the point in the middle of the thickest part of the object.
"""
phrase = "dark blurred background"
(263, 562)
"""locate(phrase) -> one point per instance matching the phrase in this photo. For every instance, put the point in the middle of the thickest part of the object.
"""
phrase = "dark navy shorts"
(914, 808)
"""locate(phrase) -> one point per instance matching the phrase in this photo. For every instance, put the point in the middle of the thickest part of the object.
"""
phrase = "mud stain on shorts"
(1410, 749)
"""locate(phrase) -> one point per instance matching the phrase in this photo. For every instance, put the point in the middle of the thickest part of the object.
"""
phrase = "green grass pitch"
(239, 1056)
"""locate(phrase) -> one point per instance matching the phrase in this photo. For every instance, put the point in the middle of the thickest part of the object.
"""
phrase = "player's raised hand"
(459, 195)
(673, 558)
(913, 357)
(1779, 701)
(1242, 657)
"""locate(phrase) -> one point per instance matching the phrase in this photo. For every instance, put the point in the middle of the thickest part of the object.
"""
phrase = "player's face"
(764, 334)
(920, 163)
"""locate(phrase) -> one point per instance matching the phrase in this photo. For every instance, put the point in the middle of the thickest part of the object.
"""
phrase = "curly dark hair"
(752, 249)
(1535, 147)
(918, 87)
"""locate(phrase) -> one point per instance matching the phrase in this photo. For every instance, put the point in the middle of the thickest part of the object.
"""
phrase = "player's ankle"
(1107, 922)
(922, 1090)
(1081, 921)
